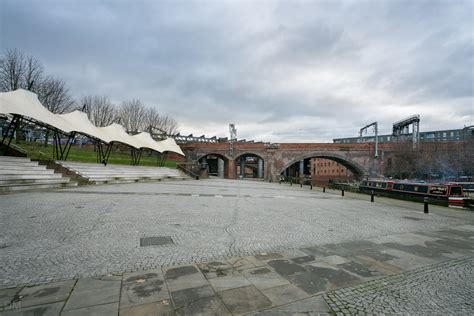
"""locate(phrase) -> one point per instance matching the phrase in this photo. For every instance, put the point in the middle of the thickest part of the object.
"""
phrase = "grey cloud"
(264, 65)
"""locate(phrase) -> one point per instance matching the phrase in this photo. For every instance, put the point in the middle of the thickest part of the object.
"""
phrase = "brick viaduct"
(359, 158)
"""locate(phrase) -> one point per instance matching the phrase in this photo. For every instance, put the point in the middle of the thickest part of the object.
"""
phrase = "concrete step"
(21, 163)
(122, 171)
(20, 167)
(12, 158)
(35, 186)
(6, 177)
(26, 171)
(99, 174)
(33, 181)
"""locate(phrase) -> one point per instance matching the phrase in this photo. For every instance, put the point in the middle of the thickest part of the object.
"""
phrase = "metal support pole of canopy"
(13, 124)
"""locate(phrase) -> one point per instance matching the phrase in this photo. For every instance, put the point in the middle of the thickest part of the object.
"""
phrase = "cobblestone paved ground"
(90, 231)
(442, 289)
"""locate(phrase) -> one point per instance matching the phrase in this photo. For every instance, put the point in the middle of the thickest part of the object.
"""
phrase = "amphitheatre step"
(33, 181)
(13, 158)
(16, 176)
(19, 163)
(22, 174)
(100, 174)
(35, 186)
(26, 171)
(21, 167)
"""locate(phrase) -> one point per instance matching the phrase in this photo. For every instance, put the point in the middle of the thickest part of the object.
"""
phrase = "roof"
(26, 104)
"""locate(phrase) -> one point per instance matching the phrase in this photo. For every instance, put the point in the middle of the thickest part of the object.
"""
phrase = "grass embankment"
(38, 151)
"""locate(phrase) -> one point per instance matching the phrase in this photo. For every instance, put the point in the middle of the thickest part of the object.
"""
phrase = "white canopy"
(169, 144)
(26, 104)
(116, 133)
(78, 121)
(146, 141)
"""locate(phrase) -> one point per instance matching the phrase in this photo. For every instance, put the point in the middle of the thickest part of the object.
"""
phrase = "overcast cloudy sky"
(281, 71)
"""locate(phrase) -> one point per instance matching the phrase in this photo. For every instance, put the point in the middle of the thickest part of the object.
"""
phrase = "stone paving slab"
(239, 253)
(275, 283)
(46, 293)
(53, 309)
(94, 231)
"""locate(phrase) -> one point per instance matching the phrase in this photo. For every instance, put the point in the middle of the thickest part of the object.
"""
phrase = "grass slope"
(40, 152)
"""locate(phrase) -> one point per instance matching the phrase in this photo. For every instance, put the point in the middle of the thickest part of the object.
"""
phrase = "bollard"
(372, 196)
(311, 186)
(301, 184)
(426, 205)
(291, 183)
(342, 192)
(324, 189)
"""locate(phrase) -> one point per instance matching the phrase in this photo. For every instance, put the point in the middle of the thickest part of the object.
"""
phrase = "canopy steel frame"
(61, 152)
(11, 126)
(103, 155)
(136, 156)
(162, 159)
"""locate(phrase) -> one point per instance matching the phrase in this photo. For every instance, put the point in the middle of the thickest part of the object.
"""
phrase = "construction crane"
(364, 129)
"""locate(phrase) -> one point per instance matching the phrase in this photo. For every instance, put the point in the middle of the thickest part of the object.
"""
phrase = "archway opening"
(249, 166)
(321, 170)
(214, 165)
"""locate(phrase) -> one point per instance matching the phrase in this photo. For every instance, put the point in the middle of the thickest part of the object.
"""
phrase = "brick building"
(326, 170)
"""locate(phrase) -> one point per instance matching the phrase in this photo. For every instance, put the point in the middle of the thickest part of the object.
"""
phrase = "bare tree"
(20, 71)
(54, 95)
(156, 123)
(152, 117)
(11, 70)
(100, 110)
(168, 125)
(132, 116)
(33, 74)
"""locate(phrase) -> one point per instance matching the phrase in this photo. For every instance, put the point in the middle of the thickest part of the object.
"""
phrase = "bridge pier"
(260, 168)
(301, 169)
(220, 168)
(242, 167)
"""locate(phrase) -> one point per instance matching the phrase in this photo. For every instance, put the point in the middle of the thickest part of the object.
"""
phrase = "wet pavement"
(412, 273)
(230, 247)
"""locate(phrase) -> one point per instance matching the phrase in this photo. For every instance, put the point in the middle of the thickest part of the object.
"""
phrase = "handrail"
(181, 166)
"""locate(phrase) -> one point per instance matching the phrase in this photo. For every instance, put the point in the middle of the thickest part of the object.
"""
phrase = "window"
(451, 134)
(444, 134)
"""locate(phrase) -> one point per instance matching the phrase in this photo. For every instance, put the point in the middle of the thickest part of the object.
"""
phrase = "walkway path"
(416, 273)
(229, 247)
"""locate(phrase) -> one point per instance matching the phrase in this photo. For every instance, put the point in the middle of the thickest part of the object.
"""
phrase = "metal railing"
(190, 168)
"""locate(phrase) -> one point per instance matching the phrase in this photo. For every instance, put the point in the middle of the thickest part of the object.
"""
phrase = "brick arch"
(350, 164)
(250, 153)
(224, 157)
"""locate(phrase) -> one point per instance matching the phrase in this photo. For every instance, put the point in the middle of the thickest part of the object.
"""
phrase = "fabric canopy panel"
(169, 144)
(147, 141)
(78, 121)
(116, 133)
(25, 103)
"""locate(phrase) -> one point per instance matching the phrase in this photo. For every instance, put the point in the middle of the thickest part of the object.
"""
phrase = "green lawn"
(40, 152)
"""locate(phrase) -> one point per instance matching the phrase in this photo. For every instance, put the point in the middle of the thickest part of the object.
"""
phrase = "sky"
(281, 71)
